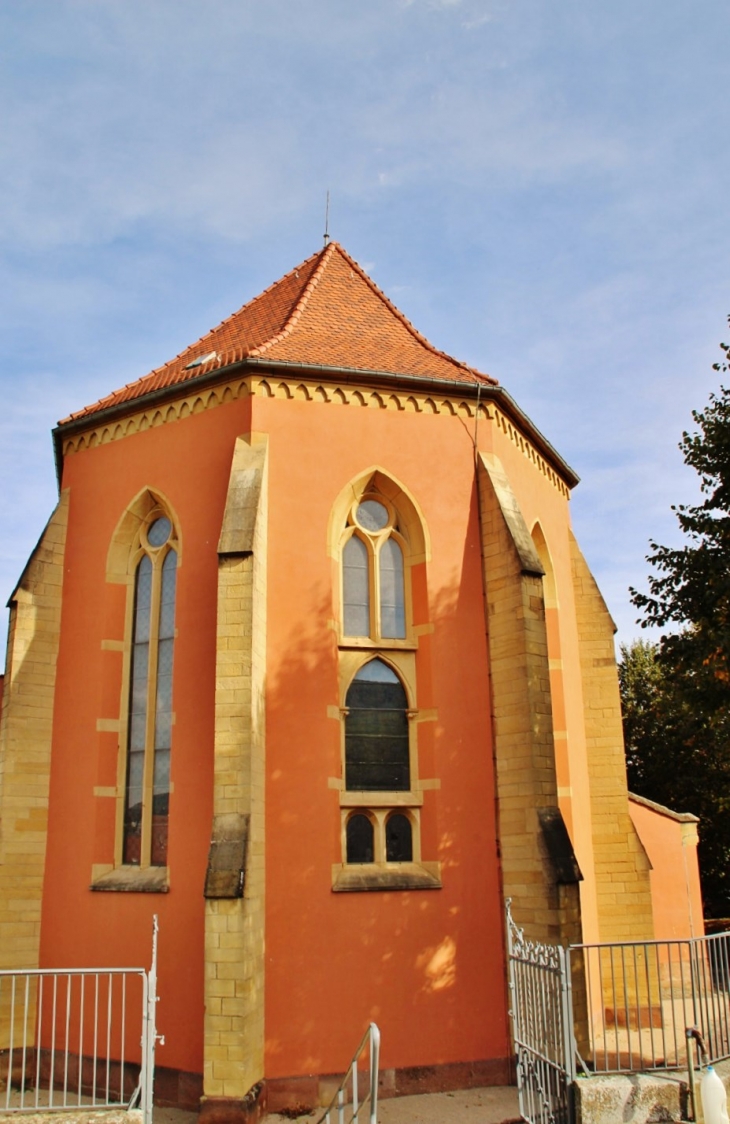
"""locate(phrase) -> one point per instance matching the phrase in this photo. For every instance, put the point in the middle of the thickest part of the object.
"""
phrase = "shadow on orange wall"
(428, 966)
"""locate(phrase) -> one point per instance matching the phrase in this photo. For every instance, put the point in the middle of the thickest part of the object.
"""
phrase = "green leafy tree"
(645, 702)
(678, 754)
(676, 694)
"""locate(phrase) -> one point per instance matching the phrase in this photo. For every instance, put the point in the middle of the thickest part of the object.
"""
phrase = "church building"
(308, 662)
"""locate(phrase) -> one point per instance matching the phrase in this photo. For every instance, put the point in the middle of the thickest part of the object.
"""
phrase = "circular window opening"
(371, 515)
(159, 532)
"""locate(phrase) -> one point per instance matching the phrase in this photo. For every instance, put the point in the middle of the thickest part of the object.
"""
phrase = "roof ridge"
(302, 301)
(404, 319)
(279, 309)
(274, 285)
(227, 319)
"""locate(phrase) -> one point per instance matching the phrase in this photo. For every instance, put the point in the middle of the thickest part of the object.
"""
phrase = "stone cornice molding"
(338, 386)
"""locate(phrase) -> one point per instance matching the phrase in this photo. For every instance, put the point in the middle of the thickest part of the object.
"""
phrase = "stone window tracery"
(373, 572)
(381, 796)
(149, 706)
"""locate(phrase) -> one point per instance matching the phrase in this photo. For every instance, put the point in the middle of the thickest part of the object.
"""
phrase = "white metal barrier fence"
(641, 997)
(635, 1007)
(78, 1038)
(347, 1098)
(542, 1024)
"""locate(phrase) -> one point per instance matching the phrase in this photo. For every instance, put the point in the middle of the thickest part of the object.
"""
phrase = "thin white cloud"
(542, 187)
(129, 141)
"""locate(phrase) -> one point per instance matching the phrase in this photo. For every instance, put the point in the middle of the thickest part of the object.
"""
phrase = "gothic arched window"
(373, 572)
(149, 713)
(398, 838)
(379, 537)
(360, 847)
(377, 755)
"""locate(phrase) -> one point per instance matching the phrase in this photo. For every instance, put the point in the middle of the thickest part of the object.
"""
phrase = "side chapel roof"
(326, 312)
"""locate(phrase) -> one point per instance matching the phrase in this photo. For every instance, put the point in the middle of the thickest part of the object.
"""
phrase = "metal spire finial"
(327, 220)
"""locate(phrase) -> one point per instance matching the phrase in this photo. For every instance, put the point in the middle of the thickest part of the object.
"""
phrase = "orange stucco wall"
(189, 463)
(676, 894)
(428, 966)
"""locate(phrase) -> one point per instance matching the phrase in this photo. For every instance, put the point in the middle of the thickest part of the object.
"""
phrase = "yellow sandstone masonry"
(234, 928)
(622, 867)
(523, 733)
(25, 744)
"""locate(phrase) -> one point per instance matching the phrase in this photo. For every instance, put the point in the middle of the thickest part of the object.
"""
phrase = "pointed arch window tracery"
(373, 572)
(145, 817)
(381, 797)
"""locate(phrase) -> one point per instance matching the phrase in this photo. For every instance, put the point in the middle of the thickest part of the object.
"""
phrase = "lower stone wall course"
(316, 1091)
(632, 1099)
(232, 1110)
(644, 1098)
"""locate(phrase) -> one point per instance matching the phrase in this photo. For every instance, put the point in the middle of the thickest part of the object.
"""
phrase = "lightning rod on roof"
(327, 220)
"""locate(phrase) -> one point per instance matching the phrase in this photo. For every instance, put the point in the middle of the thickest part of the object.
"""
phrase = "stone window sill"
(408, 644)
(355, 877)
(350, 798)
(134, 880)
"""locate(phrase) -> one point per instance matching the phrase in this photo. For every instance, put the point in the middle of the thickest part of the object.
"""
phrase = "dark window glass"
(137, 713)
(398, 839)
(163, 713)
(359, 839)
(376, 732)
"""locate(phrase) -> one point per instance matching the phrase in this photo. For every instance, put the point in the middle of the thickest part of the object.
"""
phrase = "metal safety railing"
(640, 998)
(347, 1097)
(626, 1007)
(542, 1025)
(78, 1038)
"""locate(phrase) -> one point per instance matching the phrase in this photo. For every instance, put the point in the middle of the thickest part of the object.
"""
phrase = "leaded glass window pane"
(398, 839)
(133, 808)
(150, 689)
(159, 532)
(376, 671)
(356, 587)
(371, 515)
(163, 712)
(392, 591)
(167, 596)
(143, 597)
(138, 730)
(163, 729)
(376, 732)
(359, 839)
(137, 712)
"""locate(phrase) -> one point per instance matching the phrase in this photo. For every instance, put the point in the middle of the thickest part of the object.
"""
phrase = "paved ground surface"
(170, 1116)
(493, 1105)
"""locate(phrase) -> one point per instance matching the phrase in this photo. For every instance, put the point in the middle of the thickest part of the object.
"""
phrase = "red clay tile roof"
(325, 313)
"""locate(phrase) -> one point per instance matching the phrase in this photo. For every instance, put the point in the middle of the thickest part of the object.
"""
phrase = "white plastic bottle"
(714, 1098)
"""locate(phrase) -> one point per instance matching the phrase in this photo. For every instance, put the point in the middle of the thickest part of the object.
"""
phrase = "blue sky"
(541, 187)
